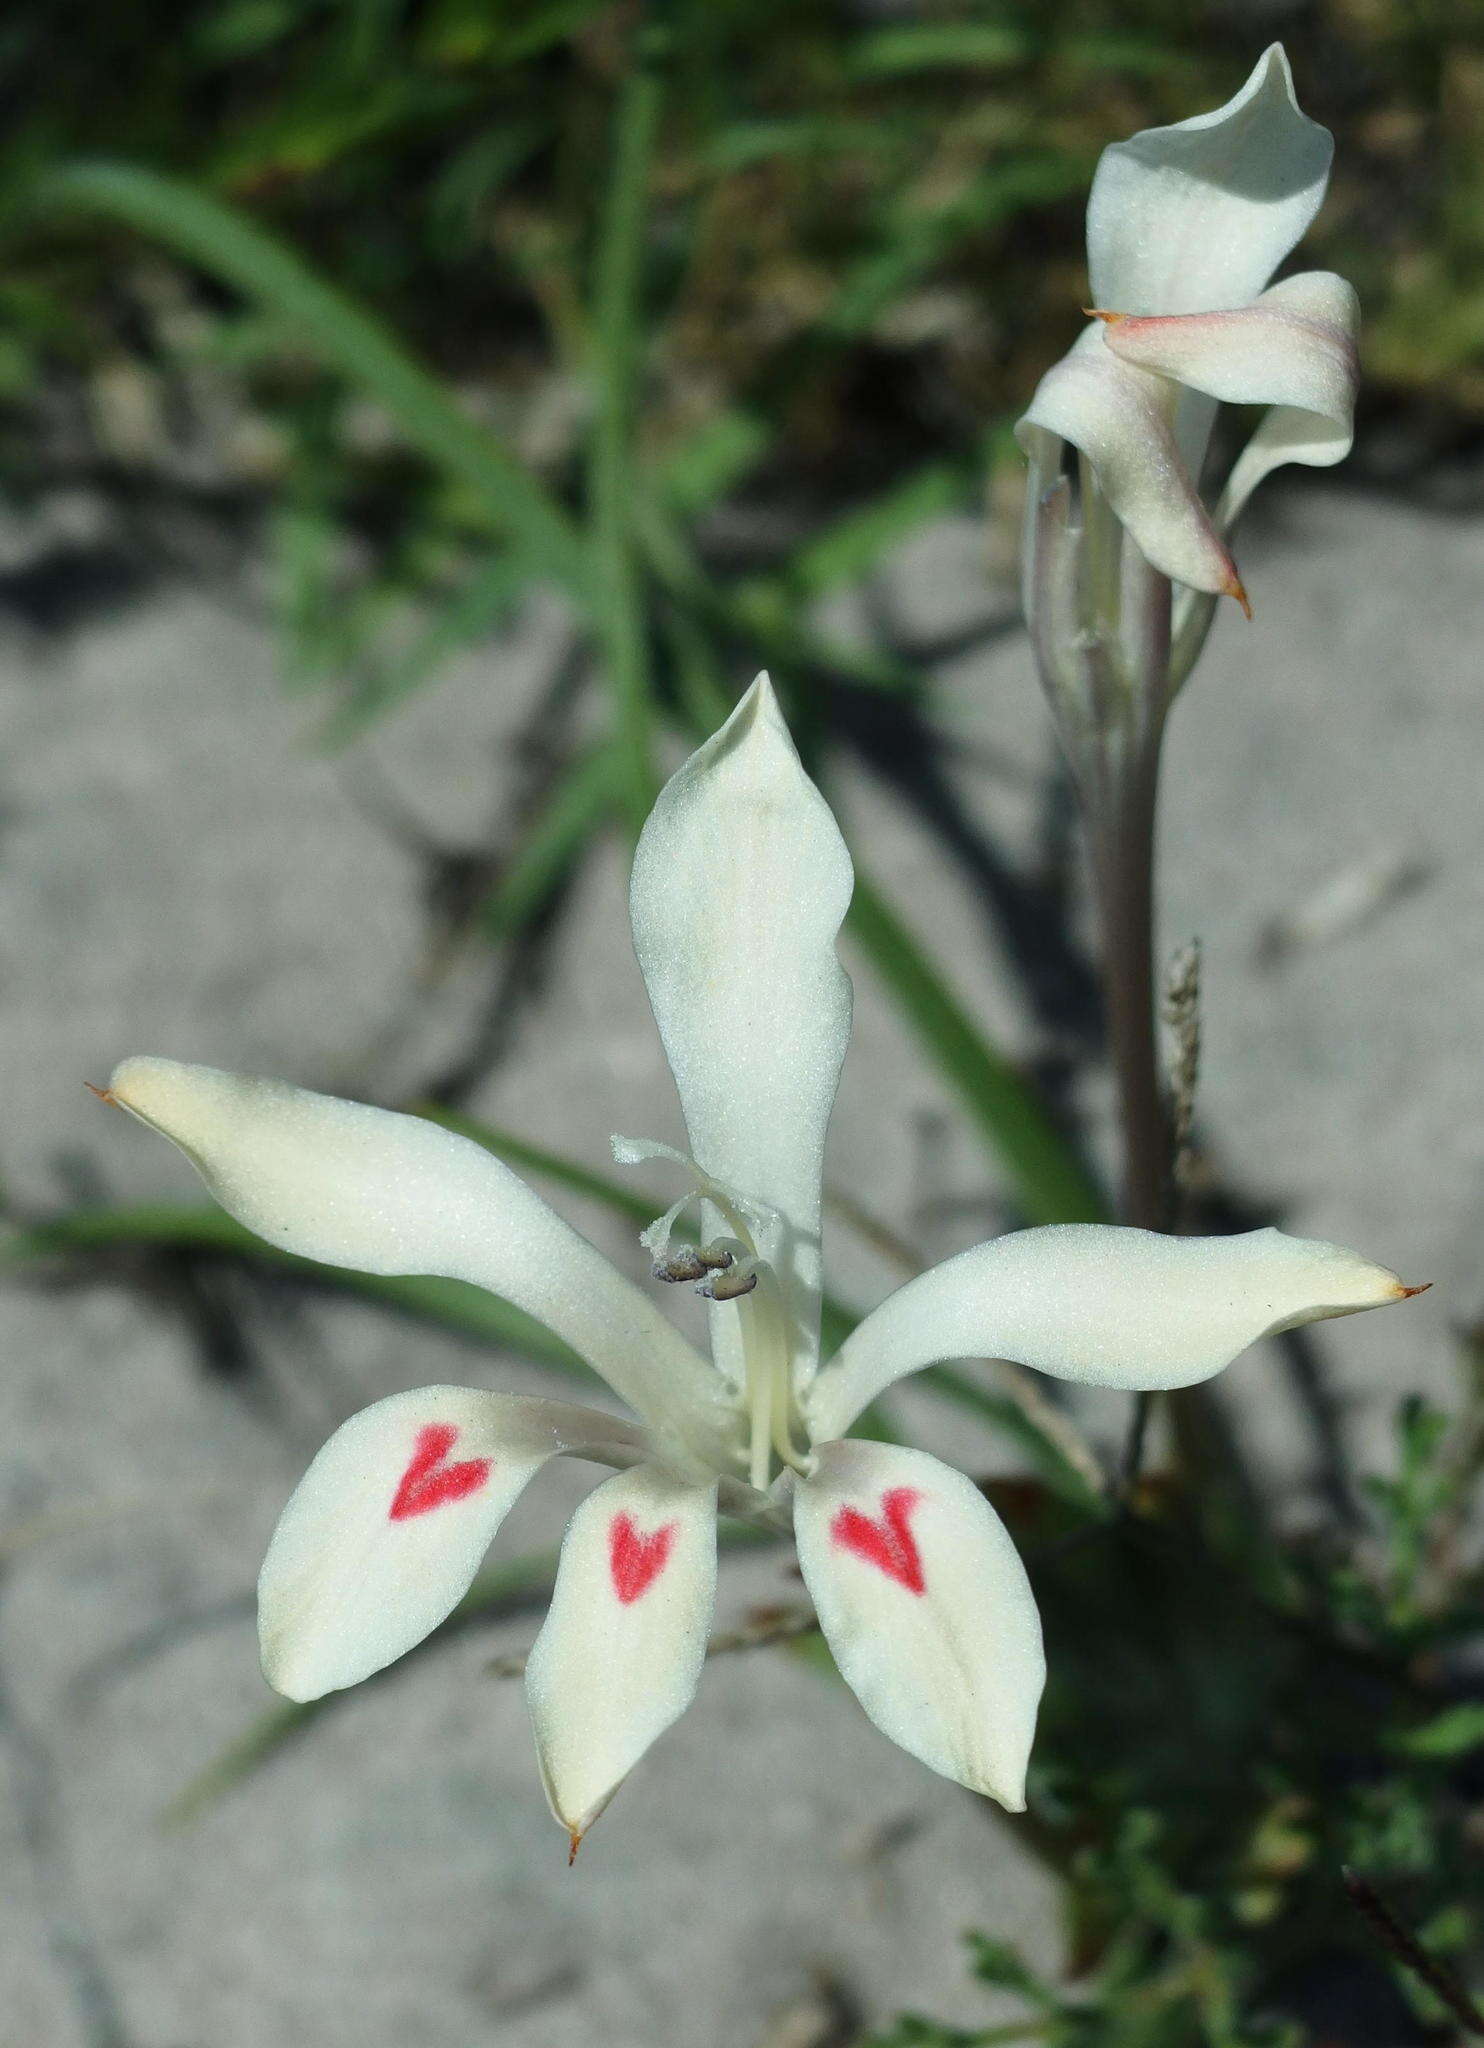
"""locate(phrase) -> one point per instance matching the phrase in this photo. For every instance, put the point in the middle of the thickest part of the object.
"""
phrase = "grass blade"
(222, 240)
(574, 811)
(1050, 1183)
(455, 1305)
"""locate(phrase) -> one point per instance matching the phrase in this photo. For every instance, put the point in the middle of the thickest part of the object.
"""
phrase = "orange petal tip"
(1233, 588)
(103, 1094)
(1101, 313)
(574, 1843)
(1406, 1293)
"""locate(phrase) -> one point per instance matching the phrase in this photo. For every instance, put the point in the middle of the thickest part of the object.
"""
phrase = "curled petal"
(1123, 420)
(1099, 1304)
(387, 1527)
(927, 1610)
(385, 1193)
(620, 1653)
(740, 882)
(1294, 346)
(1199, 215)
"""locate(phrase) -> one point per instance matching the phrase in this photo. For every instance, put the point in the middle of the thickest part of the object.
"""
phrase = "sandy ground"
(180, 873)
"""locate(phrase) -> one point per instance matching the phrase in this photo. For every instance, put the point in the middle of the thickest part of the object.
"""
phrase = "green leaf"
(710, 462)
(581, 802)
(850, 548)
(1049, 1181)
(454, 1305)
(1456, 1732)
(936, 45)
(225, 242)
(1005, 1414)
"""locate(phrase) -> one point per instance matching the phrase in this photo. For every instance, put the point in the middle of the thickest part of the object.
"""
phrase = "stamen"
(730, 1285)
(686, 1264)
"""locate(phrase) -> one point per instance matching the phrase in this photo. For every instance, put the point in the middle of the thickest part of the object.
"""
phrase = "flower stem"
(1123, 856)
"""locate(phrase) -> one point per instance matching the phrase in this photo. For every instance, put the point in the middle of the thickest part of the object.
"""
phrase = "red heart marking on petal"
(428, 1482)
(636, 1561)
(888, 1544)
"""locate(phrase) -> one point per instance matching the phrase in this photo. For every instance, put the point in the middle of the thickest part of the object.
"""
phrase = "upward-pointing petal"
(385, 1193)
(740, 883)
(1098, 1304)
(1198, 216)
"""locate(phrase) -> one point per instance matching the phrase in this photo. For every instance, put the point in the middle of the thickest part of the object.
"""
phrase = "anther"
(728, 1285)
(686, 1264)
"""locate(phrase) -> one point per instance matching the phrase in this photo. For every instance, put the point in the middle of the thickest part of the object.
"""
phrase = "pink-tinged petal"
(740, 882)
(1200, 214)
(388, 1526)
(620, 1654)
(1123, 420)
(927, 1610)
(1293, 346)
(385, 1193)
(1101, 1305)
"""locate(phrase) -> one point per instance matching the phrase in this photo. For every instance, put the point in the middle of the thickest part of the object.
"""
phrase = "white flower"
(740, 883)
(1185, 226)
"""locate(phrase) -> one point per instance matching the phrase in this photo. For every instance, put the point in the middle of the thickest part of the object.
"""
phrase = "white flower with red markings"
(1185, 226)
(740, 883)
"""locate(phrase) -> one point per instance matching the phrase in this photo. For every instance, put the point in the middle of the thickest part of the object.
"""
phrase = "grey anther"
(728, 1285)
(685, 1264)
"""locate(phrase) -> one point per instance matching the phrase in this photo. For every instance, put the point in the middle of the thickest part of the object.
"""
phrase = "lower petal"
(927, 1610)
(388, 1526)
(1123, 421)
(620, 1653)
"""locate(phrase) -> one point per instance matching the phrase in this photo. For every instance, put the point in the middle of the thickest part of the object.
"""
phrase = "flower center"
(729, 1271)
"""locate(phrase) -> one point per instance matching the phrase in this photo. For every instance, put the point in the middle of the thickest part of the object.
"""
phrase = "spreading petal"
(387, 1527)
(927, 1610)
(1199, 215)
(1101, 1305)
(1123, 420)
(620, 1654)
(1293, 349)
(740, 882)
(385, 1193)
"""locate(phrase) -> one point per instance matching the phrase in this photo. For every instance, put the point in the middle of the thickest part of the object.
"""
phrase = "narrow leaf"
(1049, 1181)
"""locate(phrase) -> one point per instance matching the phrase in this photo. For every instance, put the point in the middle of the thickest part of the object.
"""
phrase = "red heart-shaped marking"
(888, 1544)
(636, 1561)
(428, 1482)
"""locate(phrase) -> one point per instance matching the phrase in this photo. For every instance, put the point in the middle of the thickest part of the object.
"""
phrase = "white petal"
(1123, 420)
(1295, 345)
(1198, 216)
(1099, 1304)
(927, 1610)
(620, 1654)
(387, 1527)
(741, 880)
(384, 1193)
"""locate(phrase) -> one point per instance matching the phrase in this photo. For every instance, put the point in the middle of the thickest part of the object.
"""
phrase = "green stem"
(612, 491)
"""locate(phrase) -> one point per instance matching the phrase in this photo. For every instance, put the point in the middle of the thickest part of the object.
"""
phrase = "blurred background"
(418, 422)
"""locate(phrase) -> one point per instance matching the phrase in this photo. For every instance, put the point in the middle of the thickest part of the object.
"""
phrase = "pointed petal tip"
(1101, 313)
(1233, 587)
(103, 1094)
(575, 1837)
(1404, 1293)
